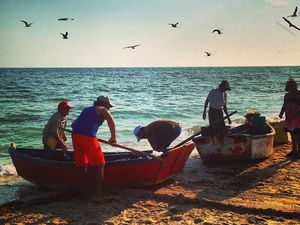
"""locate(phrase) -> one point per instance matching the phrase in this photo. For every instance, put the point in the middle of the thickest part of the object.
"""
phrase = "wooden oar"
(199, 132)
(137, 152)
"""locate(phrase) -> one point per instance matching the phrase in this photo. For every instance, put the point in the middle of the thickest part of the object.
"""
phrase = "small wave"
(19, 118)
(7, 170)
(192, 130)
(273, 118)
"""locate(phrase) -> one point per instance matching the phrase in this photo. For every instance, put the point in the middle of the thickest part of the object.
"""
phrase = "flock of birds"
(173, 25)
(64, 35)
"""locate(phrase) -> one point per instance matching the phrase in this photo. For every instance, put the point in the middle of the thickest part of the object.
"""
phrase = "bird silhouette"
(218, 31)
(64, 19)
(294, 13)
(174, 25)
(208, 53)
(290, 24)
(132, 46)
(26, 23)
(65, 36)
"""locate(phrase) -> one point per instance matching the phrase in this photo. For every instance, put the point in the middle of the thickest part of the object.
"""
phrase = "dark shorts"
(215, 115)
(216, 121)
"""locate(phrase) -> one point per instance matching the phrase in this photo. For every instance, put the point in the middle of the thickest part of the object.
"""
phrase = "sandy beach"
(263, 192)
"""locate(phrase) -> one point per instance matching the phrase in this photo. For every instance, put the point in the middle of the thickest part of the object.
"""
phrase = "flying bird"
(64, 19)
(132, 46)
(174, 25)
(290, 24)
(65, 36)
(208, 53)
(295, 13)
(218, 31)
(26, 23)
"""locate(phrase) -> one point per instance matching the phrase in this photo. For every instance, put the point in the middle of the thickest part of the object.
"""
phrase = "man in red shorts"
(87, 150)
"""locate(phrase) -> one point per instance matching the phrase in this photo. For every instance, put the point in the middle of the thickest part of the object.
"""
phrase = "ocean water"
(29, 96)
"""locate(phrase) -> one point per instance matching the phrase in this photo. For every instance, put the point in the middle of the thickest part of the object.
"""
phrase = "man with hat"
(87, 150)
(160, 134)
(217, 100)
(53, 133)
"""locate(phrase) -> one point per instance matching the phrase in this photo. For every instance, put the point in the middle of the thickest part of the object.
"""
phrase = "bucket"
(281, 137)
(259, 125)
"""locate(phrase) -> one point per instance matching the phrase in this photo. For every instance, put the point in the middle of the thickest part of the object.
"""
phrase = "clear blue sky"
(254, 33)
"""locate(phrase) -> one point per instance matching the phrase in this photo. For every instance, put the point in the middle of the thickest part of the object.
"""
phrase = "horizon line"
(112, 67)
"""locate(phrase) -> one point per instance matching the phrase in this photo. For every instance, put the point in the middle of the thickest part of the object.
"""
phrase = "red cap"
(64, 105)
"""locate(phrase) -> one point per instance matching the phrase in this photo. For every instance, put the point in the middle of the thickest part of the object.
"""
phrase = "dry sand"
(263, 192)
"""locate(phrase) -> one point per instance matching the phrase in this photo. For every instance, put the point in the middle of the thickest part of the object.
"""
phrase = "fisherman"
(217, 100)
(87, 150)
(160, 134)
(53, 133)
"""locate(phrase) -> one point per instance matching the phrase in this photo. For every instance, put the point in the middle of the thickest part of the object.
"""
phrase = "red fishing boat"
(122, 169)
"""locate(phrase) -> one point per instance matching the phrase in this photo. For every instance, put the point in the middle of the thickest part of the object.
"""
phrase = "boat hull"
(122, 169)
(236, 146)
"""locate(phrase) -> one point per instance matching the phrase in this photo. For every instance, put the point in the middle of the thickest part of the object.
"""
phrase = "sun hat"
(225, 85)
(64, 105)
(105, 99)
(136, 132)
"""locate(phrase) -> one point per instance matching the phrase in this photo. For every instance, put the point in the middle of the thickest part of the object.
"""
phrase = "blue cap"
(136, 132)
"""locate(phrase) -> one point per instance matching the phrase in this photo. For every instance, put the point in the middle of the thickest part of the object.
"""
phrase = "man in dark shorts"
(87, 150)
(217, 100)
(160, 134)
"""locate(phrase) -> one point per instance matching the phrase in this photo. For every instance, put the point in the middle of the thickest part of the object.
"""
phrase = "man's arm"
(111, 123)
(282, 111)
(226, 113)
(61, 140)
(205, 107)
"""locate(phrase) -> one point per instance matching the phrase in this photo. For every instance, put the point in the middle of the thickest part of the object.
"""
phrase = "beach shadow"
(219, 181)
(210, 183)
(66, 208)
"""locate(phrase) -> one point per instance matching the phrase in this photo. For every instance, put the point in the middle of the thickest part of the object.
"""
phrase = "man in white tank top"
(217, 100)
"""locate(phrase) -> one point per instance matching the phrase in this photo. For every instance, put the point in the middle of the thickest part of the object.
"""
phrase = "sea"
(29, 96)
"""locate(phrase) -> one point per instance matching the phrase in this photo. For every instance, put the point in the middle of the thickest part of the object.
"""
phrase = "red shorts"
(87, 150)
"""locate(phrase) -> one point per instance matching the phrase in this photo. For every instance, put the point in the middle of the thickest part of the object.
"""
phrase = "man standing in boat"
(217, 100)
(53, 133)
(160, 134)
(87, 150)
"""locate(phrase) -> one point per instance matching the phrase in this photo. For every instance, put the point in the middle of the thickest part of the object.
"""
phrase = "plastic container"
(259, 125)
(281, 137)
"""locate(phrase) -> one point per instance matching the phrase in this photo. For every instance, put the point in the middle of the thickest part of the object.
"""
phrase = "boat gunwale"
(44, 161)
(254, 136)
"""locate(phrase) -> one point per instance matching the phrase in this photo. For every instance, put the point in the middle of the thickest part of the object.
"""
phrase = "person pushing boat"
(87, 150)
(160, 134)
(53, 133)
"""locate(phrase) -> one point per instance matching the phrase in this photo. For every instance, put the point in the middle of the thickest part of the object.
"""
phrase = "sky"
(254, 33)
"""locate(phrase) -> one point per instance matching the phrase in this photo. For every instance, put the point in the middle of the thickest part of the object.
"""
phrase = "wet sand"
(262, 192)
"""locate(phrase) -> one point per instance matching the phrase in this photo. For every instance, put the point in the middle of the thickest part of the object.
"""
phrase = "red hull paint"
(125, 173)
